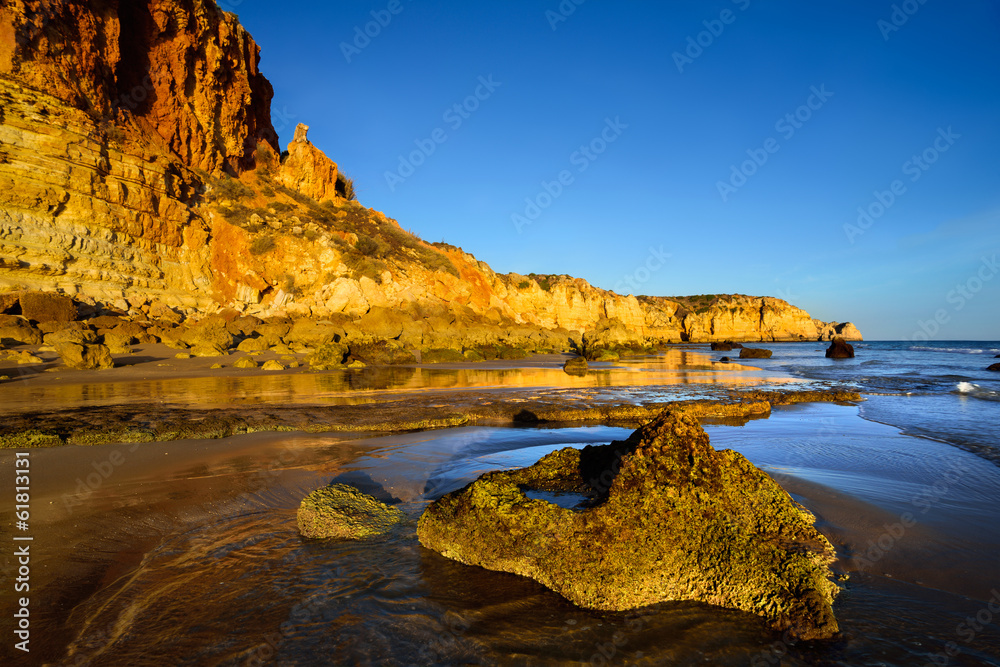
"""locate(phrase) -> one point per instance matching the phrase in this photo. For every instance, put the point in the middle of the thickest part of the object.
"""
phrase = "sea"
(187, 552)
(936, 389)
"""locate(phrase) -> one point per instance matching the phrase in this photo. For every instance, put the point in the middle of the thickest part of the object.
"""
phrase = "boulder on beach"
(253, 345)
(381, 353)
(754, 353)
(661, 516)
(339, 510)
(840, 349)
(70, 335)
(16, 329)
(328, 356)
(576, 366)
(244, 362)
(85, 357)
(725, 360)
(441, 355)
(993, 367)
(47, 307)
(722, 347)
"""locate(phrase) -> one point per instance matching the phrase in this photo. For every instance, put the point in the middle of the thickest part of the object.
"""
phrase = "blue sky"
(736, 136)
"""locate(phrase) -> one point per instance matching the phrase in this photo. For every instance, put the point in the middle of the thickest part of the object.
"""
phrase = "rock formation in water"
(754, 353)
(139, 170)
(840, 349)
(339, 510)
(667, 518)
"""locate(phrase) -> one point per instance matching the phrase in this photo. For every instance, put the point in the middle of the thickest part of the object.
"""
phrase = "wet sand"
(148, 551)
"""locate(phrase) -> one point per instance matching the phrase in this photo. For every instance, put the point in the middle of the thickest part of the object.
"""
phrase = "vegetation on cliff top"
(369, 242)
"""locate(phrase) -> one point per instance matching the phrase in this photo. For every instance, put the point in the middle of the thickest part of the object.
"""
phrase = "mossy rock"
(328, 356)
(441, 355)
(339, 510)
(576, 366)
(666, 517)
(509, 352)
(30, 438)
(381, 353)
(473, 355)
(606, 355)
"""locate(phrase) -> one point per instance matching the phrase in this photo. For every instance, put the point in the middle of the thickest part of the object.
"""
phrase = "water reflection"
(359, 386)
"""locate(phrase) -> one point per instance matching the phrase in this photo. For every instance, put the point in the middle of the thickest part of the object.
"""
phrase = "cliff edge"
(139, 165)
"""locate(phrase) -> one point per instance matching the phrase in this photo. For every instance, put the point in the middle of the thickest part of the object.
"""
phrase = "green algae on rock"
(667, 518)
(339, 510)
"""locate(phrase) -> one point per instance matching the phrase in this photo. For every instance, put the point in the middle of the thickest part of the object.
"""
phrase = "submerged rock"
(722, 347)
(667, 518)
(754, 353)
(342, 511)
(993, 367)
(840, 349)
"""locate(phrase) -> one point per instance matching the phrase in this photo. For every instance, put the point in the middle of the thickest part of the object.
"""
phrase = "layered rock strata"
(139, 165)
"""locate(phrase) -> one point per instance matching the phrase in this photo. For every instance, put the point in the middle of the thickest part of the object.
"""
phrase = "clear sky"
(674, 148)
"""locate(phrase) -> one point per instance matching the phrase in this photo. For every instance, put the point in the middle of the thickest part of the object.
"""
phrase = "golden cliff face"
(118, 121)
(183, 69)
(84, 212)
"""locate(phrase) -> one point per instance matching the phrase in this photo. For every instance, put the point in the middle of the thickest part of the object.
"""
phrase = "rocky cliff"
(138, 164)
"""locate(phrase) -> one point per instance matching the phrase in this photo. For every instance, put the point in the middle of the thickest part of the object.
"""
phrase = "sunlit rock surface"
(666, 518)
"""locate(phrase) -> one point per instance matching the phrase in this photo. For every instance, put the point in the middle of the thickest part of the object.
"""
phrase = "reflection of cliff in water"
(379, 377)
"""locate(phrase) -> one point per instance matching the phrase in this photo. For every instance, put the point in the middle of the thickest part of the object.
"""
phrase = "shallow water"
(673, 370)
(187, 553)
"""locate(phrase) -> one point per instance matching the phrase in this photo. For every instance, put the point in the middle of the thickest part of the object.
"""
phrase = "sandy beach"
(146, 550)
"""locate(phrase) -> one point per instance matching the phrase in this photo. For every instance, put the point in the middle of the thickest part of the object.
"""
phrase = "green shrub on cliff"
(345, 187)
(261, 245)
(229, 188)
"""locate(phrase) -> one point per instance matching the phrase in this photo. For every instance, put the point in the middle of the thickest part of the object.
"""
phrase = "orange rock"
(307, 169)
